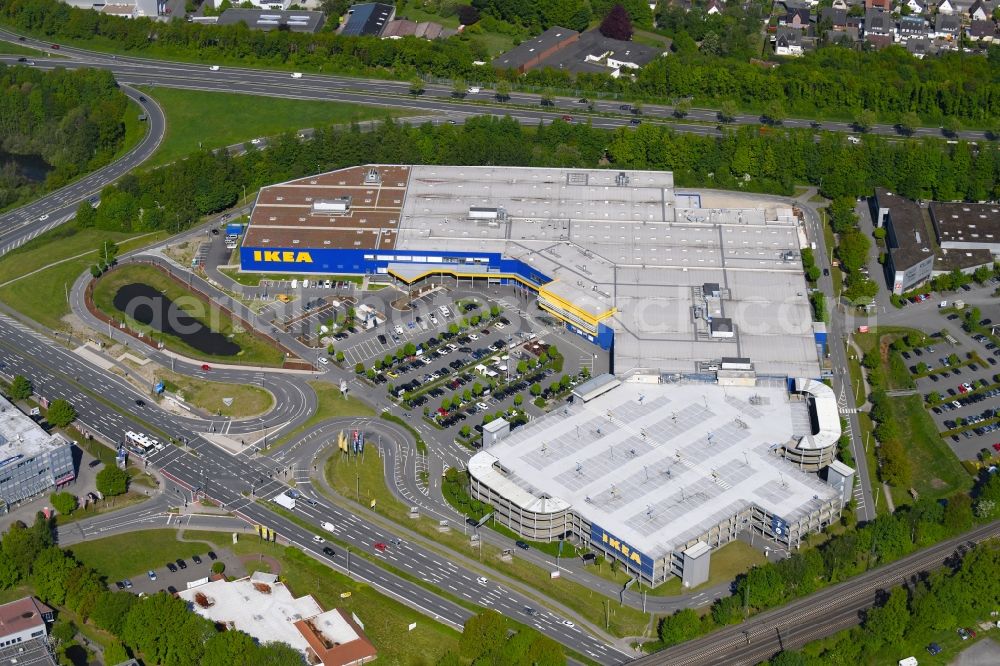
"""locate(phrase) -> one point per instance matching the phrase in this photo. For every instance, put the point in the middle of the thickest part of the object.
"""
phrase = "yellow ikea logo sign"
(282, 256)
(621, 547)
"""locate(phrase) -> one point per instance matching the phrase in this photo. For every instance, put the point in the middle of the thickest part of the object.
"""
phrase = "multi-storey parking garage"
(672, 281)
(657, 473)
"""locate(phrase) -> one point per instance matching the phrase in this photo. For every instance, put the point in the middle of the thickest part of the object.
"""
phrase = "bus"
(141, 445)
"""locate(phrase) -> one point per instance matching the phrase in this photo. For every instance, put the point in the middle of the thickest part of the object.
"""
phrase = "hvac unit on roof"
(372, 177)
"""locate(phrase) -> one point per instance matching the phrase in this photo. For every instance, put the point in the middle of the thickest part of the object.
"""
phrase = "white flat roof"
(20, 436)
(267, 616)
(641, 248)
(659, 464)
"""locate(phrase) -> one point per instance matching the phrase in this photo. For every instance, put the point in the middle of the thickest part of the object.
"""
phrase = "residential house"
(369, 18)
(714, 7)
(946, 7)
(947, 27)
(878, 28)
(837, 18)
(839, 4)
(121, 11)
(918, 47)
(882, 5)
(915, 6)
(267, 20)
(912, 27)
(797, 18)
(979, 11)
(788, 41)
(983, 31)
(24, 620)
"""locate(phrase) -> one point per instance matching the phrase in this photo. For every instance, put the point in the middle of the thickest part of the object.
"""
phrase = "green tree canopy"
(61, 413)
(20, 388)
(112, 481)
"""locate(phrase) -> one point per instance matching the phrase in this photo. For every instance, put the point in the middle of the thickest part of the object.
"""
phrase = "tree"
(548, 97)
(921, 368)
(952, 126)
(468, 15)
(409, 349)
(617, 24)
(359, 368)
(115, 653)
(842, 215)
(339, 357)
(682, 108)
(49, 573)
(536, 389)
(417, 86)
(218, 567)
(864, 120)
(229, 648)
(112, 481)
(886, 623)
(958, 513)
(774, 112)
(518, 399)
(503, 91)
(484, 634)
(728, 110)
(464, 431)
(909, 122)
(110, 610)
(933, 398)
(20, 388)
(683, 625)
(60, 413)
(853, 250)
(63, 502)
(522, 367)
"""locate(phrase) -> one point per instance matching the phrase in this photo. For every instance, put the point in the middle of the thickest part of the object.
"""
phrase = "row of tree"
(712, 62)
(914, 615)
(175, 196)
(159, 627)
(885, 539)
(72, 119)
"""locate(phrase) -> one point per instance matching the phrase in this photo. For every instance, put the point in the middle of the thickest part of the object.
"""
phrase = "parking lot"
(168, 580)
(967, 385)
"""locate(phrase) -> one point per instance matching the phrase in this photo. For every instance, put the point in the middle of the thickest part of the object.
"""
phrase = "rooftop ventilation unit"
(622, 179)
(373, 177)
(338, 205)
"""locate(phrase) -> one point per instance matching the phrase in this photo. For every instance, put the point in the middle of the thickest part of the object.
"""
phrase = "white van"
(305, 283)
(472, 90)
(295, 284)
(327, 526)
(214, 68)
(445, 311)
(296, 75)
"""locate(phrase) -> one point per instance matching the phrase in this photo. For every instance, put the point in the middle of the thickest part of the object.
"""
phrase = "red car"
(206, 367)
(996, 447)
(568, 119)
(380, 547)
(55, 46)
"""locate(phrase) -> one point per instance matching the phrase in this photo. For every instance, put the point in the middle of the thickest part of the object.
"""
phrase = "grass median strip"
(362, 480)
(331, 404)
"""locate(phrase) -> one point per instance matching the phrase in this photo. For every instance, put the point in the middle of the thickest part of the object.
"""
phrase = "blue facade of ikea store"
(370, 262)
(611, 544)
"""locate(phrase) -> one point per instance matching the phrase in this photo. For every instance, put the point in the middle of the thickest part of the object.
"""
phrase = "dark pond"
(32, 167)
(148, 306)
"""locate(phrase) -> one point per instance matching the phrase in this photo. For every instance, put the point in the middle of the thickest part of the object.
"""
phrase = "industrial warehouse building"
(671, 281)
(31, 460)
(657, 472)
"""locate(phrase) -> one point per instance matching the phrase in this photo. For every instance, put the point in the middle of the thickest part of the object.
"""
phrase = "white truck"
(327, 526)
(296, 75)
(472, 90)
(284, 500)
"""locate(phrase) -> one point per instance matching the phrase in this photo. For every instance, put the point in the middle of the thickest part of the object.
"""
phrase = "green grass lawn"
(9, 48)
(356, 479)
(253, 350)
(254, 279)
(331, 405)
(132, 554)
(866, 426)
(248, 399)
(936, 471)
(198, 119)
(857, 380)
(732, 559)
(42, 295)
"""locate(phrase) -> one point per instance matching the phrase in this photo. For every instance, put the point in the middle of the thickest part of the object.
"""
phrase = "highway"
(820, 614)
(24, 223)
(236, 482)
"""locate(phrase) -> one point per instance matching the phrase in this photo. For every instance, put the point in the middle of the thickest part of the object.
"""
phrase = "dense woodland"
(712, 60)
(744, 159)
(73, 119)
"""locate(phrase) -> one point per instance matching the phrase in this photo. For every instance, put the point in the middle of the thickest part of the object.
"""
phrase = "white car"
(214, 68)
(324, 360)
(499, 324)
(482, 406)
(434, 320)
(398, 329)
(472, 90)
(318, 539)
(327, 284)
(483, 581)
(256, 142)
(43, 217)
(473, 336)
(568, 624)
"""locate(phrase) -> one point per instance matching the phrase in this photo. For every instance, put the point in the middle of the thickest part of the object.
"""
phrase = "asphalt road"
(58, 373)
(22, 224)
